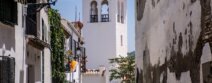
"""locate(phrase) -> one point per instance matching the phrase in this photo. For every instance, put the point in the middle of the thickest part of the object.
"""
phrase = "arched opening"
(118, 9)
(94, 12)
(105, 11)
(122, 12)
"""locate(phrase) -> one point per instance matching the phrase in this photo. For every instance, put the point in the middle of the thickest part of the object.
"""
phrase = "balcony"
(105, 17)
(93, 18)
(34, 35)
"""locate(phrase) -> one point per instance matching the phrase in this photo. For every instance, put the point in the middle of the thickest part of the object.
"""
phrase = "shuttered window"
(8, 11)
(7, 69)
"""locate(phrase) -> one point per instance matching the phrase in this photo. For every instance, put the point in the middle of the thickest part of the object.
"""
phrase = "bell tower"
(105, 31)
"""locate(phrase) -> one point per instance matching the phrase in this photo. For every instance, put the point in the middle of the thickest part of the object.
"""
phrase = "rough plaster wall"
(172, 40)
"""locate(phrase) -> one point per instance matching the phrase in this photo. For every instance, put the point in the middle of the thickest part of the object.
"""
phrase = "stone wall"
(173, 41)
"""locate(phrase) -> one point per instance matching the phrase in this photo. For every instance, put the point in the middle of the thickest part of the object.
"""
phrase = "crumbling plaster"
(172, 40)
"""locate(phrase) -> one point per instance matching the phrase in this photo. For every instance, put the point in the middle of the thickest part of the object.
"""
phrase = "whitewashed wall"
(169, 45)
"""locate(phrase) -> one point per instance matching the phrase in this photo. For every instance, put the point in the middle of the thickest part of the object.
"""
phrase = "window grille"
(93, 18)
(7, 69)
(105, 17)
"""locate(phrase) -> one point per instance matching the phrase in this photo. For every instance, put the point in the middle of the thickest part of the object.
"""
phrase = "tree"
(124, 69)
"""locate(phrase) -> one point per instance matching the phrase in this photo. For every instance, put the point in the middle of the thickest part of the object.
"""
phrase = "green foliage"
(57, 46)
(124, 69)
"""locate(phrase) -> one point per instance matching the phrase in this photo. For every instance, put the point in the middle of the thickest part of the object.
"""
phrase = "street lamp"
(79, 52)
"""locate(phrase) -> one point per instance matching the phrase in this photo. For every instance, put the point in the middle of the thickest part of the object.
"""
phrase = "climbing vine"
(57, 46)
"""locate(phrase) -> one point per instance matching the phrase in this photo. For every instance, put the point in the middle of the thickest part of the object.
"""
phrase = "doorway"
(31, 74)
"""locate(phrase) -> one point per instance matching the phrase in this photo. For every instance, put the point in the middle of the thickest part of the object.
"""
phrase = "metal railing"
(93, 18)
(105, 17)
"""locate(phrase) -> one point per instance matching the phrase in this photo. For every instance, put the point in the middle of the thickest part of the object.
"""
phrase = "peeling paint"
(183, 64)
(140, 8)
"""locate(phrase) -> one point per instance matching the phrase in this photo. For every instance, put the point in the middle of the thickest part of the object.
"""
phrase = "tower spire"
(75, 13)
(79, 16)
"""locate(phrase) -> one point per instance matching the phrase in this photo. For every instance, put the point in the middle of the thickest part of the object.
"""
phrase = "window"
(118, 9)
(94, 12)
(105, 11)
(8, 12)
(31, 19)
(122, 12)
(70, 40)
(73, 47)
(43, 27)
(44, 32)
(121, 40)
(7, 69)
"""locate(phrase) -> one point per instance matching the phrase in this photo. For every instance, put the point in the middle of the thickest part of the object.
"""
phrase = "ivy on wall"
(57, 46)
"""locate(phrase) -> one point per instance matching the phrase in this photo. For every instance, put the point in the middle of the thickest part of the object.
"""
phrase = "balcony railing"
(105, 17)
(7, 69)
(93, 18)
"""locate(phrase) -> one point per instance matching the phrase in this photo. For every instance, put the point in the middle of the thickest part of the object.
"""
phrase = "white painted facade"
(72, 35)
(14, 43)
(104, 40)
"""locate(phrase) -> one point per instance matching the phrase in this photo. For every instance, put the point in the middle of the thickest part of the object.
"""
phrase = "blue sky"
(67, 10)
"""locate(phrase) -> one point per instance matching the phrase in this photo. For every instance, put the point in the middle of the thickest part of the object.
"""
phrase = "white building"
(73, 41)
(24, 44)
(105, 32)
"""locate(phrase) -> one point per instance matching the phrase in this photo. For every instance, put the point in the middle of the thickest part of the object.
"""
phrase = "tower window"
(118, 15)
(94, 12)
(121, 40)
(105, 11)
(122, 12)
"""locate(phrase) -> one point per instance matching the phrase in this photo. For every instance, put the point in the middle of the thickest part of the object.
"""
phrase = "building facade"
(105, 32)
(73, 42)
(24, 42)
(173, 41)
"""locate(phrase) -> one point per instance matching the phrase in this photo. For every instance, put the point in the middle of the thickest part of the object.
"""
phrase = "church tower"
(105, 31)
